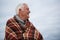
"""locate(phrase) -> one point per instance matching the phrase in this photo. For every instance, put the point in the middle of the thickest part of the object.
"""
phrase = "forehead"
(25, 5)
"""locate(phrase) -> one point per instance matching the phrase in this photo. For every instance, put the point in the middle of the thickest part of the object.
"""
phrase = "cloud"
(45, 16)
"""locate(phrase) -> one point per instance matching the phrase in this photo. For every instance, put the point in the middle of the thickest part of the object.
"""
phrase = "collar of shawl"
(20, 20)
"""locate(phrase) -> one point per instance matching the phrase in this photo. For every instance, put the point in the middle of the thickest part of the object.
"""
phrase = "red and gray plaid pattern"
(14, 31)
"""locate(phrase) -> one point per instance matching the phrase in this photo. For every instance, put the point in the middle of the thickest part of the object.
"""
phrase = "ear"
(19, 9)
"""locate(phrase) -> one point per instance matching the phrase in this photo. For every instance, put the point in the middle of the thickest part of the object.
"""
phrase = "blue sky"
(45, 16)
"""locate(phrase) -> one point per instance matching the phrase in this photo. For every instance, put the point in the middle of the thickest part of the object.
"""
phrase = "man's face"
(25, 12)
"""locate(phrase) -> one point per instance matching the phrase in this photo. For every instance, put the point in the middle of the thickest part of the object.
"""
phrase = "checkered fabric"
(14, 31)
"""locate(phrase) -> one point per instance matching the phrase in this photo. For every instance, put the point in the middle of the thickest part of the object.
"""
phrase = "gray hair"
(20, 6)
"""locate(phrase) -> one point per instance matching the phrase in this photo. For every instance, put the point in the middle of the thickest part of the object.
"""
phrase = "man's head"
(23, 11)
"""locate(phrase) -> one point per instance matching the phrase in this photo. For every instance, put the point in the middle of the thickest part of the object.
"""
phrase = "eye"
(27, 8)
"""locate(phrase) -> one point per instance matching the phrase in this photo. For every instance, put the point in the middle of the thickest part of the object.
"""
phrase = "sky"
(45, 16)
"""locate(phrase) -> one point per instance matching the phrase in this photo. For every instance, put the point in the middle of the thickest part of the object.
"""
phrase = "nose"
(29, 12)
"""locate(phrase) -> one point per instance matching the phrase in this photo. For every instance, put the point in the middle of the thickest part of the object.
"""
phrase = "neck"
(21, 17)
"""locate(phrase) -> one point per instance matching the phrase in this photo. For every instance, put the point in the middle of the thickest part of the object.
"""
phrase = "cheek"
(26, 11)
(24, 15)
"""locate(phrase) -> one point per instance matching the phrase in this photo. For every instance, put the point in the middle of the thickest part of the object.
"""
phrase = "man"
(19, 27)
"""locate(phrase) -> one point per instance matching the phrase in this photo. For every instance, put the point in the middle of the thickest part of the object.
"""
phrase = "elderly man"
(19, 27)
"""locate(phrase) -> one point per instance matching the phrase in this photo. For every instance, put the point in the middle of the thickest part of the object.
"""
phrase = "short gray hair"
(19, 6)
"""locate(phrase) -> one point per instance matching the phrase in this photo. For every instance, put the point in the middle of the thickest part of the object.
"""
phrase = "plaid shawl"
(14, 31)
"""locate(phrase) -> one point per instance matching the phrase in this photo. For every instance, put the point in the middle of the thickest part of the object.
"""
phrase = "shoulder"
(10, 21)
(31, 25)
